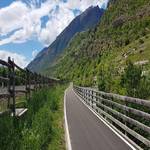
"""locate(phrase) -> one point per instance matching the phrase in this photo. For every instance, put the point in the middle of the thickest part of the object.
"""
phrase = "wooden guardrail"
(28, 81)
(130, 115)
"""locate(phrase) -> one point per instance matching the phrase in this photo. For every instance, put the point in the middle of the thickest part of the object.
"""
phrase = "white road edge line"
(122, 138)
(67, 135)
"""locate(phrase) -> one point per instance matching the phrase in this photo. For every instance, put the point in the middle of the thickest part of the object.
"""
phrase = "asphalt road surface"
(87, 132)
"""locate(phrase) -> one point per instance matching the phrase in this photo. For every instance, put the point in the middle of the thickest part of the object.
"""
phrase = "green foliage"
(36, 130)
(141, 41)
(105, 79)
(57, 140)
(37, 101)
(143, 90)
(9, 135)
(131, 79)
(30, 141)
(38, 136)
(54, 103)
(135, 84)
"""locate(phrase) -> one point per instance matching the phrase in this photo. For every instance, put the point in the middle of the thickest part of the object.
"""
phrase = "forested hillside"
(105, 55)
(48, 56)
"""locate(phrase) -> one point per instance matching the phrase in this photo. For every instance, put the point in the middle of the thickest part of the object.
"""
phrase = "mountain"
(101, 53)
(48, 56)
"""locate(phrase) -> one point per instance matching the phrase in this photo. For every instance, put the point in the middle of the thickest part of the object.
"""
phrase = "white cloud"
(83, 4)
(34, 53)
(19, 59)
(55, 25)
(22, 19)
(11, 17)
(60, 19)
(26, 20)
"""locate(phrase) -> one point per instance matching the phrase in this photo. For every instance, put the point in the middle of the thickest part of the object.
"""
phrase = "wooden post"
(29, 81)
(9, 83)
(13, 88)
(26, 83)
(28, 88)
(43, 81)
(35, 80)
(12, 81)
(38, 82)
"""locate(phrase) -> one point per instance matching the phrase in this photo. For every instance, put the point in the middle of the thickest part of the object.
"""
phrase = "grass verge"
(41, 128)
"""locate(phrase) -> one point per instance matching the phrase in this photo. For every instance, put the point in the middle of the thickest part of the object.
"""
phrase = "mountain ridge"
(101, 49)
(87, 20)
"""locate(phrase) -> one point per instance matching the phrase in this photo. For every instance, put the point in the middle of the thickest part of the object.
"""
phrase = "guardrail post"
(84, 95)
(96, 99)
(92, 98)
(126, 113)
(89, 98)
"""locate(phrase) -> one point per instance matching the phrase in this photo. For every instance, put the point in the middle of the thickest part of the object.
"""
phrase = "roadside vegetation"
(40, 128)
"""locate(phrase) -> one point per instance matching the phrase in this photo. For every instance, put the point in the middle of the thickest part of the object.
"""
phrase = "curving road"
(87, 132)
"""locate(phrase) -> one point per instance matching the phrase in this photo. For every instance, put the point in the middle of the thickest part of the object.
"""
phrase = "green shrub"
(143, 90)
(30, 140)
(39, 134)
(54, 104)
(136, 85)
(9, 133)
(141, 41)
(105, 79)
(34, 131)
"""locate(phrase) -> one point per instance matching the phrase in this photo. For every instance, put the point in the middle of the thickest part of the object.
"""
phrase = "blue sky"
(27, 26)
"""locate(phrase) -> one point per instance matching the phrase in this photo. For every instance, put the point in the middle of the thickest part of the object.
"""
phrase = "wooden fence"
(130, 115)
(17, 80)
